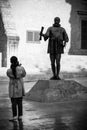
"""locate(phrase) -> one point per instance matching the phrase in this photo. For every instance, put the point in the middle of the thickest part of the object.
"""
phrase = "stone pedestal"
(56, 91)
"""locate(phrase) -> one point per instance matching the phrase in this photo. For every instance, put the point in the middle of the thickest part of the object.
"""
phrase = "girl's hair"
(14, 64)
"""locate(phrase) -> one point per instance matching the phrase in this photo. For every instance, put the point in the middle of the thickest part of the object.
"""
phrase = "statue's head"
(57, 20)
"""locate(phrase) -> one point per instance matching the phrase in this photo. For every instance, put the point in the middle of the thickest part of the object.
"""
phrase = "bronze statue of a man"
(57, 37)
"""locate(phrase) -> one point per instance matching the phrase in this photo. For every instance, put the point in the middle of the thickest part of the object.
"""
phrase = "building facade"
(78, 21)
(22, 19)
(8, 36)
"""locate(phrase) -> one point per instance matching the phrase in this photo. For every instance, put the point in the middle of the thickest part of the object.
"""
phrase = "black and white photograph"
(43, 64)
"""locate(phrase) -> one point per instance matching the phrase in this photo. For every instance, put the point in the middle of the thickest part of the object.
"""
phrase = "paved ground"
(42, 116)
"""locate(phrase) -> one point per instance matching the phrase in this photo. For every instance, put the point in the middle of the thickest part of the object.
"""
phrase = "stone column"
(12, 47)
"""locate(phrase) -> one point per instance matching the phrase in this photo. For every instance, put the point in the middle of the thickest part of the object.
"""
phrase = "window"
(33, 36)
(84, 34)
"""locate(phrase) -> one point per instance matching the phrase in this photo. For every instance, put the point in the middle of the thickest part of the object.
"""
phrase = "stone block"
(56, 91)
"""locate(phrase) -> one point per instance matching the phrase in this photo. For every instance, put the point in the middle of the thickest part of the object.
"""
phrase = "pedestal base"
(57, 90)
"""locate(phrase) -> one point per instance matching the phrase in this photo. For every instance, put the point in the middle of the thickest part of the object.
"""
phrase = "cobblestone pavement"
(42, 116)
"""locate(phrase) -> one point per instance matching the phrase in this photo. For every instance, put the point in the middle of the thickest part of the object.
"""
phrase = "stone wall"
(3, 43)
(7, 29)
(77, 14)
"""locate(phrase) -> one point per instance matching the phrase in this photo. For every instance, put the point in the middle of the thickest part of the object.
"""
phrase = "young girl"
(16, 87)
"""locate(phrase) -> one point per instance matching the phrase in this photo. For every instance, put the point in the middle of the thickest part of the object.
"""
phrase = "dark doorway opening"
(84, 34)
